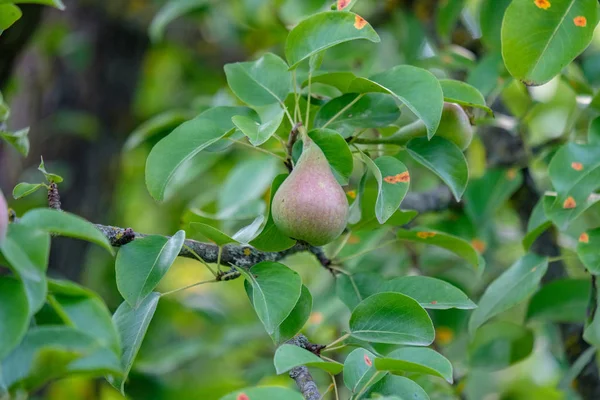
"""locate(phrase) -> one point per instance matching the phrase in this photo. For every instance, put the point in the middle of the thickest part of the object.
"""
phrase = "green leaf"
(24, 189)
(372, 110)
(540, 39)
(393, 180)
(490, 20)
(87, 312)
(168, 13)
(457, 245)
(417, 88)
(575, 174)
(399, 386)
(157, 125)
(500, 344)
(509, 289)
(132, 325)
(562, 300)
(65, 224)
(430, 292)
(18, 139)
(484, 196)
(247, 181)
(537, 224)
(212, 234)
(359, 370)
(53, 3)
(49, 176)
(49, 352)
(340, 80)
(464, 94)
(297, 318)
(14, 314)
(186, 141)
(261, 82)
(27, 251)
(9, 14)
(271, 238)
(264, 393)
(141, 264)
(324, 30)
(274, 290)
(289, 356)
(560, 214)
(345, 5)
(259, 133)
(415, 359)
(249, 232)
(587, 250)
(336, 152)
(391, 318)
(352, 289)
(444, 159)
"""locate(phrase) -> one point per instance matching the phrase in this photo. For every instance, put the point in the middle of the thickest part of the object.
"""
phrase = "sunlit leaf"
(539, 38)
(416, 359)
(141, 264)
(324, 30)
(430, 292)
(261, 82)
(187, 140)
(24, 189)
(274, 290)
(65, 224)
(391, 318)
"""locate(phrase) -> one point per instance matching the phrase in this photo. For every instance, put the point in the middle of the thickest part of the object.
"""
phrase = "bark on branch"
(303, 378)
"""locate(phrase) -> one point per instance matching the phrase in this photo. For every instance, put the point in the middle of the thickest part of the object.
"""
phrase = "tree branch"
(232, 254)
(303, 378)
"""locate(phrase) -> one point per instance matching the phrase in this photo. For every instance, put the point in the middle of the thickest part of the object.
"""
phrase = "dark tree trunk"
(102, 89)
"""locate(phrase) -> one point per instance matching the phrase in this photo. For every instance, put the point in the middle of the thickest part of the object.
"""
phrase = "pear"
(3, 217)
(310, 205)
(454, 126)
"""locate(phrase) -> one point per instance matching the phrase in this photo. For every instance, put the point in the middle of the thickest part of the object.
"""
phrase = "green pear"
(310, 205)
(454, 126)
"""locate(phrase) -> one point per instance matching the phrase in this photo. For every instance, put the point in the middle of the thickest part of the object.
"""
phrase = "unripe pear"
(454, 126)
(3, 217)
(310, 205)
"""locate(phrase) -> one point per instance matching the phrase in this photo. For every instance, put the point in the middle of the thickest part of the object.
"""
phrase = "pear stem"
(306, 121)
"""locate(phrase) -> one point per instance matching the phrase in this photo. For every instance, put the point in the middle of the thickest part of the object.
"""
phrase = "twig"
(303, 378)
(53, 196)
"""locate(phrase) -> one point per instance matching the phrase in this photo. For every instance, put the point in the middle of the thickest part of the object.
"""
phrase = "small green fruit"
(454, 126)
(310, 205)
